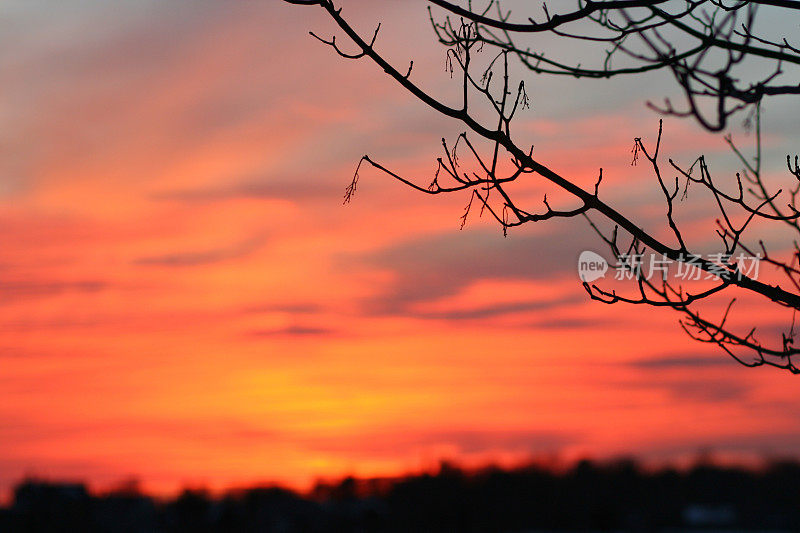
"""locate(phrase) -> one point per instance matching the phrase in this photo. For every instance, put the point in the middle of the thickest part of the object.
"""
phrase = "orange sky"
(184, 299)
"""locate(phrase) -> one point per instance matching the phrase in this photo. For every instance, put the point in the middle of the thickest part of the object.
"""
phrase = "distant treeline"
(588, 497)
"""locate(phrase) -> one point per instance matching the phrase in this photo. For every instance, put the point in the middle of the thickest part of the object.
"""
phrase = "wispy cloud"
(436, 266)
(302, 188)
(491, 311)
(20, 289)
(468, 441)
(294, 331)
(682, 361)
(203, 257)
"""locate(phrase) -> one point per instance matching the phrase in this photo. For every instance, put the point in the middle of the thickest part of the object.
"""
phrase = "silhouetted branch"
(485, 86)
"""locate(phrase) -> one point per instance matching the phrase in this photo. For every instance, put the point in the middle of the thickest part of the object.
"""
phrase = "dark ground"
(588, 497)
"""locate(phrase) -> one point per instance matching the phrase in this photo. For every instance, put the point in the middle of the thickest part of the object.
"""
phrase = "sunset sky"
(185, 300)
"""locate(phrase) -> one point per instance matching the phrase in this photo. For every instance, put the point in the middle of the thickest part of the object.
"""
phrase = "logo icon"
(591, 266)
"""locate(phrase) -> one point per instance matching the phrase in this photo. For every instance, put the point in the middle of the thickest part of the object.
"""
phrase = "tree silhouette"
(722, 66)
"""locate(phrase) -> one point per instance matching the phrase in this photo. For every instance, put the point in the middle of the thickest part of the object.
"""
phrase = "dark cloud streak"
(204, 257)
